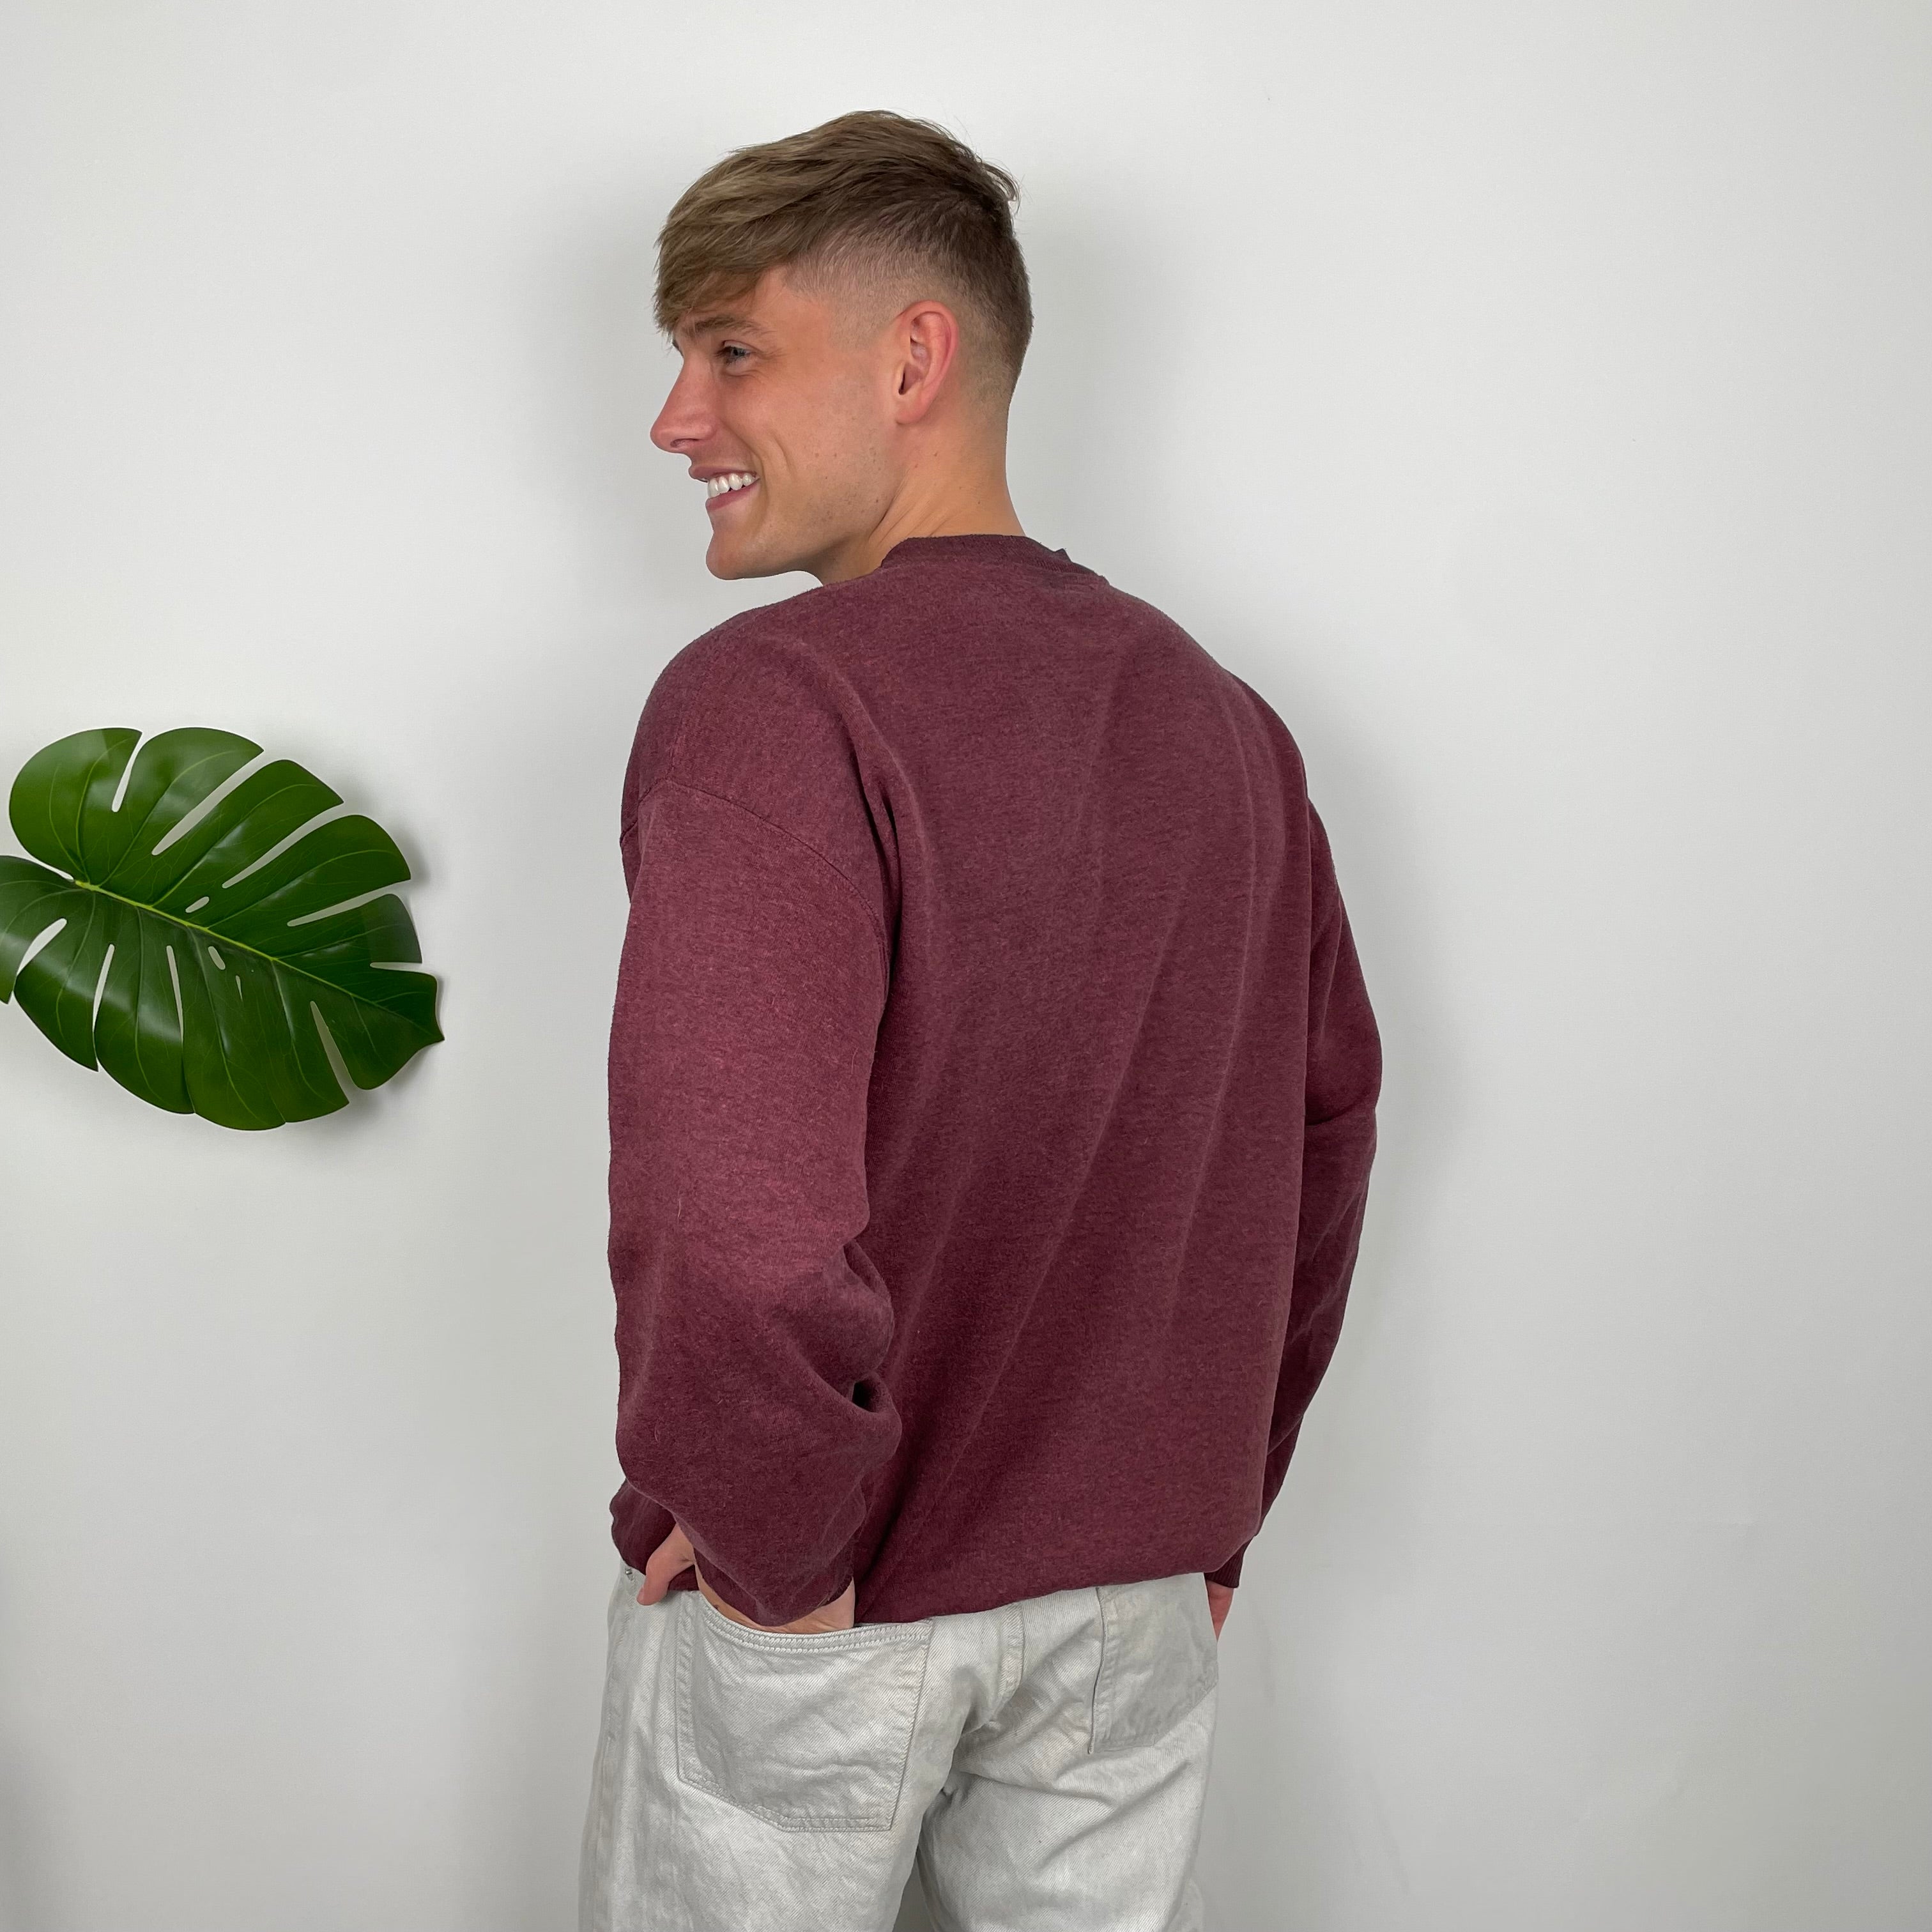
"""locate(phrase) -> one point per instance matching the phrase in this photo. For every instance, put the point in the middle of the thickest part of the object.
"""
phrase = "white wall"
(1531, 400)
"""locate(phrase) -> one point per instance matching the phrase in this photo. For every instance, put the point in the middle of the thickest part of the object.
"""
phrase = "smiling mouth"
(727, 489)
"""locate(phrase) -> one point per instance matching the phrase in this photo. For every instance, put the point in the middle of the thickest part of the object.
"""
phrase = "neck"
(957, 502)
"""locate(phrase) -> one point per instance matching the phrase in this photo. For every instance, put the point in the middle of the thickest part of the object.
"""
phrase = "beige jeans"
(1045, 1763)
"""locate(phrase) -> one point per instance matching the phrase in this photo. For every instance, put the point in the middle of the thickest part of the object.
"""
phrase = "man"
(992, 1093)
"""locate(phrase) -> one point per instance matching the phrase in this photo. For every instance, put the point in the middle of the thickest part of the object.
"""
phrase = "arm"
(1344, 1083)
(749, 1322)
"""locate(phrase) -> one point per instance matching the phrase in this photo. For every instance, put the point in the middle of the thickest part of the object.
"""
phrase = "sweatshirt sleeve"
(749, 1323)
(1338, 1147)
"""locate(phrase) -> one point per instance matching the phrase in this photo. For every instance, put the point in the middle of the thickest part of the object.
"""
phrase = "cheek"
(852, 467)
(840, 444)
(814, 465)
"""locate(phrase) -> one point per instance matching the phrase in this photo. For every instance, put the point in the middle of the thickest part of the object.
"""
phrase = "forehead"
(776, 306)
(739, 311)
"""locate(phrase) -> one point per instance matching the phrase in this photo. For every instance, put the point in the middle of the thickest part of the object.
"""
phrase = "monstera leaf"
(199, 966)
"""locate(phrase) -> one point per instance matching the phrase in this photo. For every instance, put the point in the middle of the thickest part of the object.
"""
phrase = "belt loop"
(1012, 1649)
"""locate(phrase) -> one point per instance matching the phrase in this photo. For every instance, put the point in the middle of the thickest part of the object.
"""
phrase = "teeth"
(738, 479)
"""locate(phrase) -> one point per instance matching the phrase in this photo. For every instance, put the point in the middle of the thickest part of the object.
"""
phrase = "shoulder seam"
(691, 706)
(871, 917)
(632, 806)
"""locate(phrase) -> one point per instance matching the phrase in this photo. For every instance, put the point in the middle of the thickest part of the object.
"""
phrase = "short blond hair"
(871, 202)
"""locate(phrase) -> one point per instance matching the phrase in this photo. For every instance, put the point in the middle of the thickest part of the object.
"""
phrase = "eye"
(730, 348)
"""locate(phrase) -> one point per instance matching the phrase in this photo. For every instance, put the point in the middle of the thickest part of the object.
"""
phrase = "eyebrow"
(717, 322)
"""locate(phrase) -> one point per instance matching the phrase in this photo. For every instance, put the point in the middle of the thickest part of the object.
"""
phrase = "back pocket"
(809, 1732)
(1158, 1659)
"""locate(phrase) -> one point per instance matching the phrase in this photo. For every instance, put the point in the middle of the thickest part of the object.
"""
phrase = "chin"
(729, 562)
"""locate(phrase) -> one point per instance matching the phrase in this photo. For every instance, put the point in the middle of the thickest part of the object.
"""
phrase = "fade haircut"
(873, 206)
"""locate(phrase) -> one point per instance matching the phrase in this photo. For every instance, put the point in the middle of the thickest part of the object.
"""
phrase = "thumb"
(672, 1554)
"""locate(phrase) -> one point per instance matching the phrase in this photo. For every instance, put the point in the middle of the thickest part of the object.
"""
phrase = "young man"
(992, 1093)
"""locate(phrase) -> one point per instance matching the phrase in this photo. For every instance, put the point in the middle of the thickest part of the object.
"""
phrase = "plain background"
(1530, 400)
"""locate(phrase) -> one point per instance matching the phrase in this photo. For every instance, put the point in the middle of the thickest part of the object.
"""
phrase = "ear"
(926, 336)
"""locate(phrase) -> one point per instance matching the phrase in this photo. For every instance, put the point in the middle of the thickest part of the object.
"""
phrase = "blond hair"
(872, 205)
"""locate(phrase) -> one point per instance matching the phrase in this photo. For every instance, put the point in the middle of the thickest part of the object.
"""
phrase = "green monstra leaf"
(219, 971)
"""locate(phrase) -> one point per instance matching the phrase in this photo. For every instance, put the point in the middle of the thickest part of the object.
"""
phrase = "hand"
(675, 1554)
(1220, 1596)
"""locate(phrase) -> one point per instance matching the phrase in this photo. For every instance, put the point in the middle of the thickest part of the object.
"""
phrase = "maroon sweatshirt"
(992, 1093)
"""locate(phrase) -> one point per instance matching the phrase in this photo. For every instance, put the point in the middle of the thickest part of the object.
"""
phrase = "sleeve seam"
(635, 805)
(871, 917)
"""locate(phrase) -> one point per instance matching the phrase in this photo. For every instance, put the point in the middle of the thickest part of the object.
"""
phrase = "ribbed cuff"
(1229, 1574)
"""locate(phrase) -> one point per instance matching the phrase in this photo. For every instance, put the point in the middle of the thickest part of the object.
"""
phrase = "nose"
(687, 416)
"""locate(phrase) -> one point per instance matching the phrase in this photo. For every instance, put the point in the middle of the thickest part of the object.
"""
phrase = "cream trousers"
(1045, 1763)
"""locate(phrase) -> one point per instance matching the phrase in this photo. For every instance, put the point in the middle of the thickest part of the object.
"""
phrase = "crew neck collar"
(978, 546)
